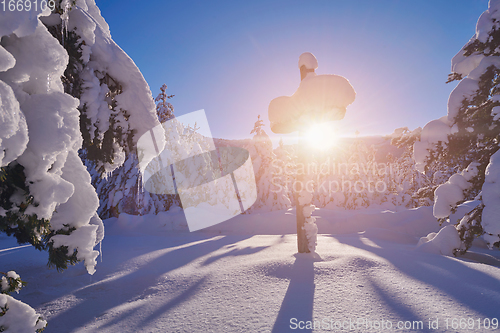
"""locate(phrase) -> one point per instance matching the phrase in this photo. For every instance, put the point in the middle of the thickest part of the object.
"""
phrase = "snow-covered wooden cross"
(319, 98)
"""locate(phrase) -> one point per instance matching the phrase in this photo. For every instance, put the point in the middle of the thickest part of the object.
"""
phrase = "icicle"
(48, 84)
(139, 193)
(100, 249)
(65, 19)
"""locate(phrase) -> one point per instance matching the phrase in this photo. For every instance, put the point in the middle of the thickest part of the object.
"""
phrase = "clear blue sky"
(232, 58)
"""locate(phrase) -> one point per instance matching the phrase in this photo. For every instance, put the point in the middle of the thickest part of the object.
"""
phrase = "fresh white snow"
(309, 60)
(13, 128)
(244, 275)
(20, 317)
(443, 242)
(447, 195)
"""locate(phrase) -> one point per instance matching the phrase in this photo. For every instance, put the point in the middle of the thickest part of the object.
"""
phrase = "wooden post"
(300, 179)
(302, 244)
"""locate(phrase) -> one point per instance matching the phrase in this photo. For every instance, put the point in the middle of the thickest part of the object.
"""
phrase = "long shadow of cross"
(299, 298)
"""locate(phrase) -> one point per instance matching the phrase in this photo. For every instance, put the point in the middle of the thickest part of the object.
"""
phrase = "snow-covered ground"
(245, 275)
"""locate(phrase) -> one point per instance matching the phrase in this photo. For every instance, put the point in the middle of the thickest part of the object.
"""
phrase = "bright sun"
(321, 136)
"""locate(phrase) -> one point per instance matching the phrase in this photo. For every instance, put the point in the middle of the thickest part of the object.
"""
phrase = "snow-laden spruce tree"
(467, 139)
(15, 316)
(269, 196)
(64, 85)
(164, 109)
(45, 193)
(406, 185)
(115, 106)
(121, 191)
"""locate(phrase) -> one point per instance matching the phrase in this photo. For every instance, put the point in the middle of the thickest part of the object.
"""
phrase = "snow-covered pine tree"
(46, 60)
(114, 97)
(122, 192)
(261, 152)
(467, 140)
(164, 109)
(16, 316)
(42, 170)
(412, 188)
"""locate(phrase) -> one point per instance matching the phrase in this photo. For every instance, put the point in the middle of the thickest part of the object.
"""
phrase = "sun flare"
(321, 136)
